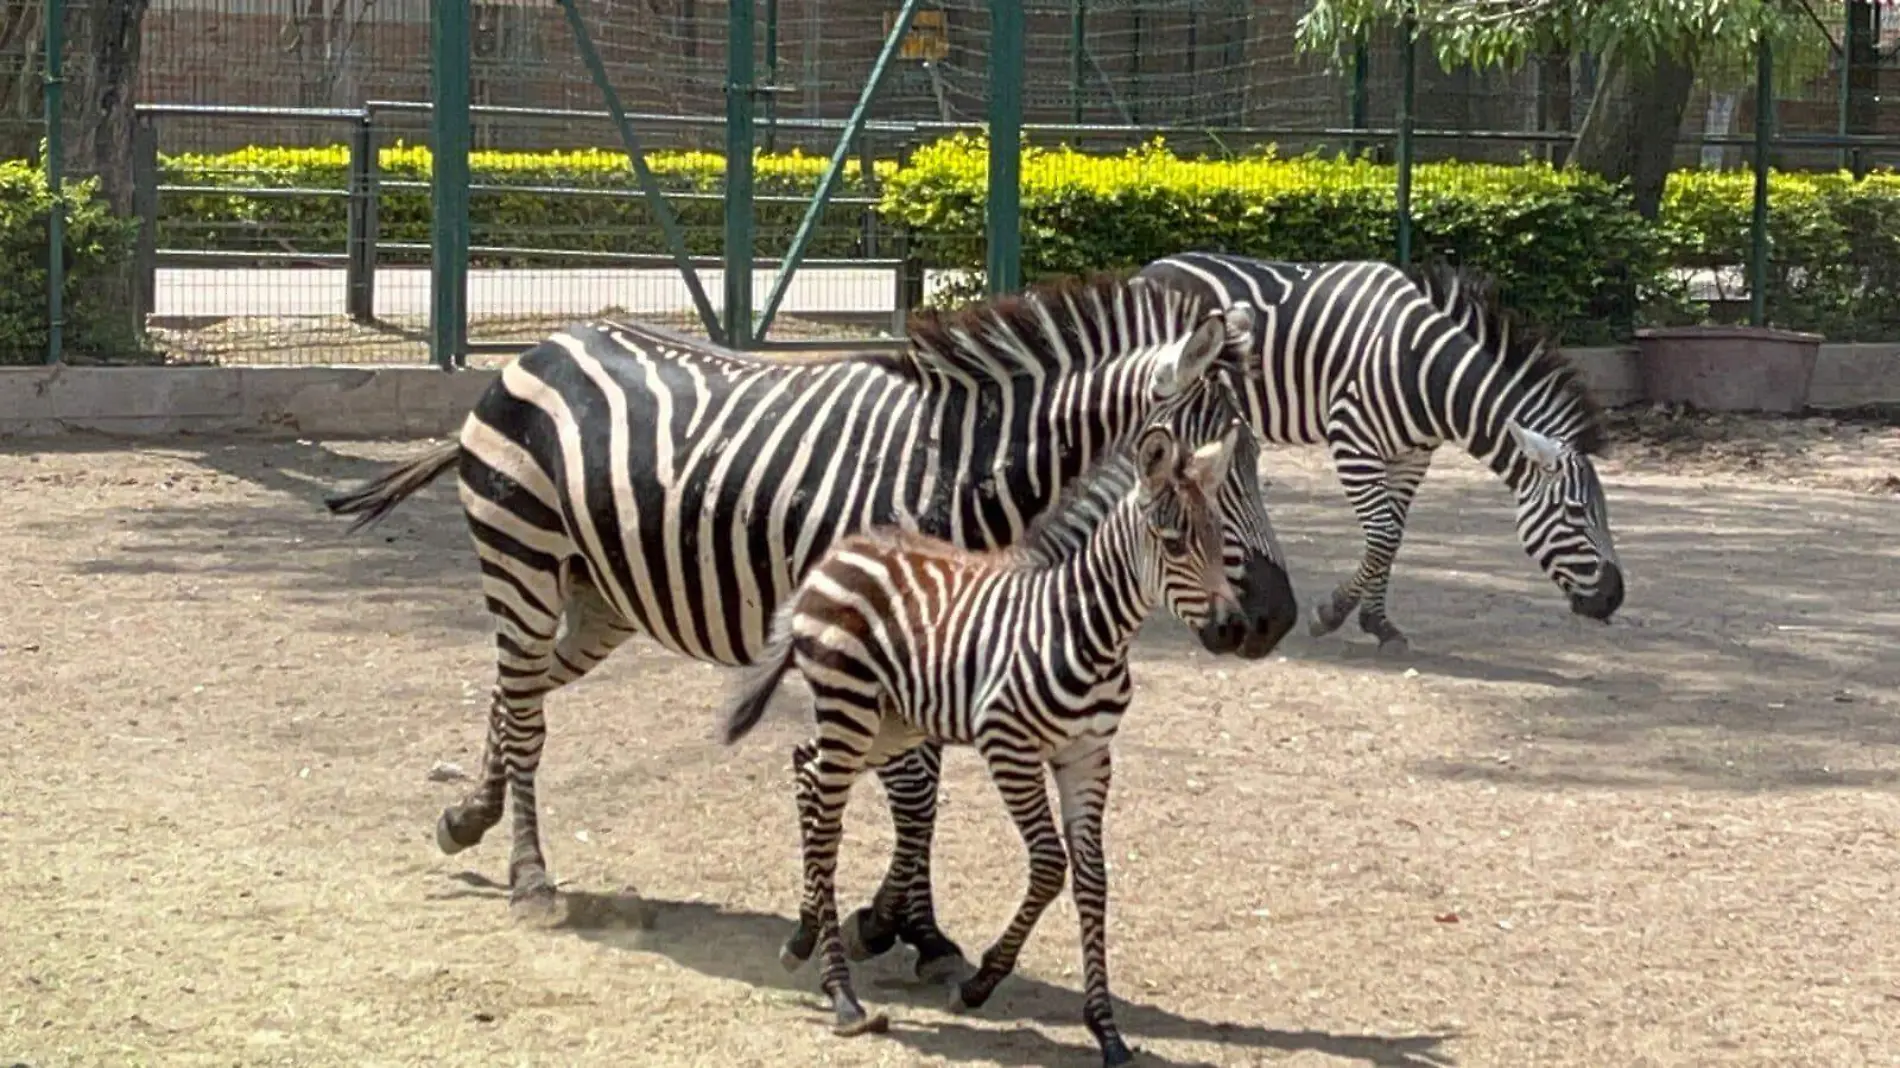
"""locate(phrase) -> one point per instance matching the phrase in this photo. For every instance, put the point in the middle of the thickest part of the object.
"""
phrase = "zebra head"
(1564, 522)
(1249, 549)
(1179, 499)
(1195, 380)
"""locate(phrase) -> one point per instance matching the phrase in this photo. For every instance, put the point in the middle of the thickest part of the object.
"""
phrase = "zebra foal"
(1021, 653)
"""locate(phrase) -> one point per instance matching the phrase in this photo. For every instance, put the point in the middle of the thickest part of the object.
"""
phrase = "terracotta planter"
(1727, 368)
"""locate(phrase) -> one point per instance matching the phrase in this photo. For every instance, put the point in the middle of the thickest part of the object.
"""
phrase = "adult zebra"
(1384, 365)
(619, 479)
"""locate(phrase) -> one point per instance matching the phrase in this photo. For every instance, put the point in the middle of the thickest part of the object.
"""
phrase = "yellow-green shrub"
(1553, 239)
(1833, 252)
(530, 218)
(97, 247)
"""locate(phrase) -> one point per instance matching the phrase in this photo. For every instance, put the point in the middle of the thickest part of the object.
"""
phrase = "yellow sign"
(929, 36)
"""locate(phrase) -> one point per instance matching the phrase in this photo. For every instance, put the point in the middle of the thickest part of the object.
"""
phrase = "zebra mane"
(1469, 297)
(1048, 327)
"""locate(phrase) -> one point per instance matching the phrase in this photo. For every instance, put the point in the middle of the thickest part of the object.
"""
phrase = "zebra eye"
(1173, 543)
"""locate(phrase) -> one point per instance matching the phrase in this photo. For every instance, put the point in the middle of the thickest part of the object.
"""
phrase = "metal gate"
(734, 311)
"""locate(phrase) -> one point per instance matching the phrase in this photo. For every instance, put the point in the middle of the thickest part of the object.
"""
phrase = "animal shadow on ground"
(743, 946)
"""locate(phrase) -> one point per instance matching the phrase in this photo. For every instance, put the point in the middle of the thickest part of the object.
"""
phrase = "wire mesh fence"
(280, 176)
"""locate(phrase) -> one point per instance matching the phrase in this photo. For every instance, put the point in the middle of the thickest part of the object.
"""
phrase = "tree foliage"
(1718, 37)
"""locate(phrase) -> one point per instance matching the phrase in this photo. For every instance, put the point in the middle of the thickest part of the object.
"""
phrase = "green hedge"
(1561, 244)
(1834, 246)
(97, 248)
(525, 219)
(1552, 238)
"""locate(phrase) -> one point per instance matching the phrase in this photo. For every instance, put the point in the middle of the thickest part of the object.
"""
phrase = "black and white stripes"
(1021, 653)
(1382, 366)
(622, 480)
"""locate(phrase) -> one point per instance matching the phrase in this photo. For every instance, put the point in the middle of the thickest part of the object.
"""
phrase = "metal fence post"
(910, 271)
(867, 173)
(1004, 210)
(1078, 52)
(145, 205)
(360, 269)
(740, 88)
(1758, 223)
(1408, 100)
(448, 194)
(55, 100)
(1361, 61)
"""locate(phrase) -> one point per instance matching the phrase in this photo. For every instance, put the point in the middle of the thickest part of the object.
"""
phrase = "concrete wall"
(329, 402)
(1845, 375)
(415, 402)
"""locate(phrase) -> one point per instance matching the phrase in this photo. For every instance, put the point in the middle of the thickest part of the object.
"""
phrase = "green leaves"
(1719, 34)
(1547, 235)
(97, 244)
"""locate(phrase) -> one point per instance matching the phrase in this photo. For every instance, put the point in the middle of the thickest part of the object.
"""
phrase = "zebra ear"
(1155, 455)
(1209, 464)
(1544, 451)
(1181, 367)
(1240, 320)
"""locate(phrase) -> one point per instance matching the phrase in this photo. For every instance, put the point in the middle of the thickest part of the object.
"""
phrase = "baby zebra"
(1022, 653)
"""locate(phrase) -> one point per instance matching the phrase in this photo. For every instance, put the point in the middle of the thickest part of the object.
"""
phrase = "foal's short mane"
(1469, 293)
(1043, 328)
(1085, 502)
(1048, 539)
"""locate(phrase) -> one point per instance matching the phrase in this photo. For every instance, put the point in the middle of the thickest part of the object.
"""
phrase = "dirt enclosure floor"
(1670, 841)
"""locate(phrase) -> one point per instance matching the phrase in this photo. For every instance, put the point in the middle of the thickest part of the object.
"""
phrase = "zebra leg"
(903, 906)
(1364, 478)
(1082, 784)
(1018, 777)
(1403, 475)
(531, 663)
(824, 782)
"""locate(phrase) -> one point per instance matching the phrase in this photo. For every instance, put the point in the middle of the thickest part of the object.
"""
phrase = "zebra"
(1383, 365)
(621, 479)
(1021, 653)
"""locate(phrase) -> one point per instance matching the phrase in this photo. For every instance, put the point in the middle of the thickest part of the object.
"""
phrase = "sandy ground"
(1670, 841)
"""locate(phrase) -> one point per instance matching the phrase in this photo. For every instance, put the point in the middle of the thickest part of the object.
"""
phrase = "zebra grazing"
(1020, 652)
(1383, 366)
(618, 480)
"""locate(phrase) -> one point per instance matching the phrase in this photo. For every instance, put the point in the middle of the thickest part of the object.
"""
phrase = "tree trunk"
(101, 70)
(1553, 100)
(101, 89)
(1631, 128)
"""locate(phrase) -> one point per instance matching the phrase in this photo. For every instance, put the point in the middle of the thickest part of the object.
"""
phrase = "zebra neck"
(1474, 398)
(1001, 457)
(1110, 582)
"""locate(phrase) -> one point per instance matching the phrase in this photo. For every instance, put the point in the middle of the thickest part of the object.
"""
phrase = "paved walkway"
(403, 292)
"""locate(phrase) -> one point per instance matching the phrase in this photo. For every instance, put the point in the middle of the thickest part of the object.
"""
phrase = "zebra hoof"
(789, 958)
(948, 968)
(965, 999)
(798, 948)
(445, 839)
(1396, 645)
(856, 946)
(875, 1024)
(1327, 618)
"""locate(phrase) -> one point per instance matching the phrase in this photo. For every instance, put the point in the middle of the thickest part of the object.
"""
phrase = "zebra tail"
(374, 499)
(761, 683)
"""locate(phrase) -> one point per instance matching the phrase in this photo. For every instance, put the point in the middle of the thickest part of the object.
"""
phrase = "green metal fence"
(763, 156)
